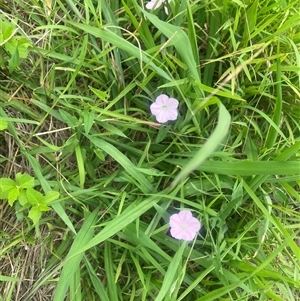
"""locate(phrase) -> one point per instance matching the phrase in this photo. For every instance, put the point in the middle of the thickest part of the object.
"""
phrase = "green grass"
(76, 107)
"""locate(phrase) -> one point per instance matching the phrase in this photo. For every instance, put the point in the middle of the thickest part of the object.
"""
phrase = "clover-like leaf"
(14, 61)
(13, 195)
(6, 185)
(3, 125)
(50, 197)
(18, 44)
(34, 197)
(35, 214)
(23, 45)
(44, 207)
(23, 200)
(24, 180)
(6, 31)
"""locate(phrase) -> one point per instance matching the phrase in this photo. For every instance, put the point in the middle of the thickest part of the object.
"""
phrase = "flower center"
(165, 108)
(183, 226)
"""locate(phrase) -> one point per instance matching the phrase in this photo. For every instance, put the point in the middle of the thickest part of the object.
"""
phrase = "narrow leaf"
(209, 147)
(145, 185)
(72, 261)
(179, 39)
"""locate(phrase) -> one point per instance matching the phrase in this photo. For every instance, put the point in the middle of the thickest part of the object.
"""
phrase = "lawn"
(149, 150)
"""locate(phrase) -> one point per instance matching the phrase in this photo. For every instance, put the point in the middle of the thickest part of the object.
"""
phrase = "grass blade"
(131, 169)
(72, 261)
(209, 147)
(169, 280)
(180, 40)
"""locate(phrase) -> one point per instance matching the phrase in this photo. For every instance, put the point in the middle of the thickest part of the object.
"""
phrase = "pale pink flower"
(164, 108)
(184, 226)
(154, 4)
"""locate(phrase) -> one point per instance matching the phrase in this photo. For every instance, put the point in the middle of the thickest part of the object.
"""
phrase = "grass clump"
(74, 115)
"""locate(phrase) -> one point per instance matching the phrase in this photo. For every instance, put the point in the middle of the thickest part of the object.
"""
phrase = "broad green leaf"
(3, 125)
(24, 180)
(19, 214)
(46, 187)
(6, 184)
(14, 61)
(35, 214)
(18, 44)
(50, 197)
(34, 197)
(6, 31)
(11, 46)
(43, 207)
(23, 200)
(13, 195)
(23, 45)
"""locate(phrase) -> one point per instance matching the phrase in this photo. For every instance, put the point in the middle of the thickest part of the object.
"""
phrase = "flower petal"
(155, 4)
(185, 216)
(173, 103)
(172, 114)
(162, 116)
(194, 224)
(155, 108)
(176, 233)
(188, 235)
(150, 5)
(175, 220)
(162, 99)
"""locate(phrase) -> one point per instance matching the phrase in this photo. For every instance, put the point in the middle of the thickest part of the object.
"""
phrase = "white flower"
(164, 108)
(154, 4)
